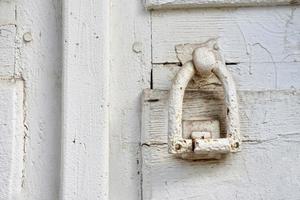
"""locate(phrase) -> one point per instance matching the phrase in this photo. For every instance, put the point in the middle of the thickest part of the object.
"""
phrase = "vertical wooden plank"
(130, 74)
(38, 63)
(85, 100)
(11, 138)
(7, 37)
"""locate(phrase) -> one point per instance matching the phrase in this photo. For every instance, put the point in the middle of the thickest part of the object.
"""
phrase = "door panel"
(269, 124)
(261, 49)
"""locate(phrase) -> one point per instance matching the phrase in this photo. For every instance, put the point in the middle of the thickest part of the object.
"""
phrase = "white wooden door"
(84, 96)
(261, 50)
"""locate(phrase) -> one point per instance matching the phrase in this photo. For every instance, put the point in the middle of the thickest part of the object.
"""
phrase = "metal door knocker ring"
(205, 61)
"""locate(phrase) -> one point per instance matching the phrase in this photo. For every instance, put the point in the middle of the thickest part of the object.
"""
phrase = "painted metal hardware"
(206, 59)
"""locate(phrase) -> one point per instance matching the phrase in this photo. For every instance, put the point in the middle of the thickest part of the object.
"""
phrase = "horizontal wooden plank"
(178, 4)
(257, 76)
(268, 34)
(7, 49)
(264, 115)
(262, 170)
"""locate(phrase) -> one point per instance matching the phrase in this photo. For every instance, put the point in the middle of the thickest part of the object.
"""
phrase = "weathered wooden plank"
(39, 62)
(264, 115)
(130, 62)
(262, 170)
(179, 4)
(269, 34)
(256, 76)
(85, 141)
(7, 49)
(269, 127)
(11, 138)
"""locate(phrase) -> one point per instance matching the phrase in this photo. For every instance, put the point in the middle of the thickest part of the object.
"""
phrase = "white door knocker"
(205, 60)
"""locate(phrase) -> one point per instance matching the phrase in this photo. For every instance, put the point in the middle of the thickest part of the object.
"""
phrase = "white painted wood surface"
(7, 49)
(38, 64)
(256, 34)
(12, 102)
(85, 140)
(264, 105)
(269, 125)
(115, 44)
(8, 12)
(261, 48)
(130, 73)
(7, 38)
(248, 175)
(179, 4)
(269, 76)
(11, 139)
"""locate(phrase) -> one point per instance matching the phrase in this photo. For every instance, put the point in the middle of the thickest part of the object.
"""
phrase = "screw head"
(27, 37)
(137, 47)
(177, 147)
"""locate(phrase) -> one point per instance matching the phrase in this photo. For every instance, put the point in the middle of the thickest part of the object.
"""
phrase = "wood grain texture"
(250, 35)
(269, 127)
(85, 159)
(181, 4)
(261, 107)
